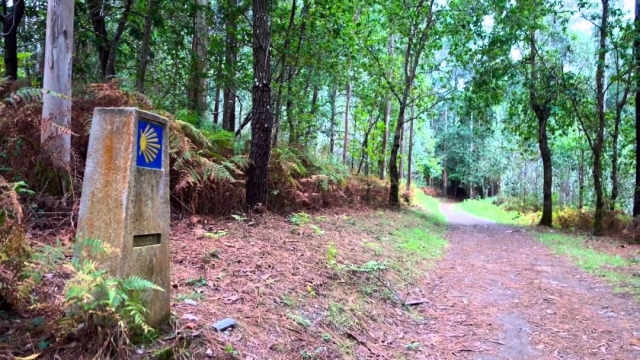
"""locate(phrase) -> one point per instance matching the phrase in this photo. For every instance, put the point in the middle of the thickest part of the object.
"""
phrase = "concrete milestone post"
(125, 199)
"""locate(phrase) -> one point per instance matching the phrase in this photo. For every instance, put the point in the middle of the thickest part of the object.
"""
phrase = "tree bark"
(599, 141)
(107, 49)
(581, 181)
(345, 146)
(216, 105)
(146, 47)
(547, 171)
(410, 155)
(542, 110)
(262, 118)
(332, 124)
(231, 56)
(394, 189)
(636, 47)
(387, 115)
(57, 78)
(10, 24)
(198, 91)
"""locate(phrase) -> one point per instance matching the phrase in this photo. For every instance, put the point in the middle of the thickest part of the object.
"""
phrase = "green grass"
(592, 261)
(485, 209)
(430, 204)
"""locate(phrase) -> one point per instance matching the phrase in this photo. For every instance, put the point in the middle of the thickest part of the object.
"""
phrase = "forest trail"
(499, 294)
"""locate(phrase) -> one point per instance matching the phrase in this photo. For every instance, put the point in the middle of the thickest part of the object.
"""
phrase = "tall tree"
(636, 51)
(56, 108)
(10, 24)
(262, 118)
(230, 60)
(108, 47)
(146, 48)
(200, 42)
(598, 144)
(420, 23)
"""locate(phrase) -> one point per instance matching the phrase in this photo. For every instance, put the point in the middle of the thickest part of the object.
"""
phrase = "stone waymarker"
(125, 198)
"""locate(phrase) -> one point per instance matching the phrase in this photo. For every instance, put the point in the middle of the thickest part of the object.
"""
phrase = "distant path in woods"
(499, 294)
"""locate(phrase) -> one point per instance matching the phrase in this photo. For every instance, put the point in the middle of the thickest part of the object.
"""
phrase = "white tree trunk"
(56, 108)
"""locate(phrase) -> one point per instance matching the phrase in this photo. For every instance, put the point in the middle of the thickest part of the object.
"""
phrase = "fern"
(92, 291)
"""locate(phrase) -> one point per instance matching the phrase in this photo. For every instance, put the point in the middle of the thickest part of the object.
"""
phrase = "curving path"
(499, 294)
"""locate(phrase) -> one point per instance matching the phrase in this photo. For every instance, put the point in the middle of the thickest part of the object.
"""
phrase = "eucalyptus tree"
(56, 109)
(636, 51)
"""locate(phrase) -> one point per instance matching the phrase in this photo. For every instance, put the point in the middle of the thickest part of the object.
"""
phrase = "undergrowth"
(208, 164)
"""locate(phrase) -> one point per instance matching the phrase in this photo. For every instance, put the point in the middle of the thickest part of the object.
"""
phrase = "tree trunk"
(57, 78)
(636, 47)
(231, 55)
(445, 180)
(401, 157)
(387, 115)
(216, 105)
(100, 31)
(146, 47)
(614, 159)
(345, 146)
(547, 173)
(409, 156)
(394, 190)
(332, 124)
(262, 118)
(198, 83)
(107, 49)
(10, 24)
(581, 181)
(599, 141)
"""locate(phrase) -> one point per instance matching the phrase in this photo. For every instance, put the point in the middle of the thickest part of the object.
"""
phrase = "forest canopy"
(532, 99)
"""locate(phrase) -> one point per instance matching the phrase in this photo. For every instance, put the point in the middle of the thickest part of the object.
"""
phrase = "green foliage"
(299, 319)
(332, 255)
(299, 219)
(93, 296)
(612, 268)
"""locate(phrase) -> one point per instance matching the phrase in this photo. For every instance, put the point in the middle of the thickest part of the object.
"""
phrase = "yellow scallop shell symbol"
(149, 144)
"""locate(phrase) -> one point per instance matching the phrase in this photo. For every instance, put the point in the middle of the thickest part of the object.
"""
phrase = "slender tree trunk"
(387, 115)
(345, 146)
(231, 55)
(332, 124)
(614, 160)
(401, 157)
(146, 47)
(445, 180)
(57, 78)
(100, 31)
(542, 110)
(636, 48)
(262, 118)
(107, 49)
(547, 171)
(10, 25)
(581, 181)
(216, 105)
(410, 155)
(599, 141)
(394, 190)
(198, 83)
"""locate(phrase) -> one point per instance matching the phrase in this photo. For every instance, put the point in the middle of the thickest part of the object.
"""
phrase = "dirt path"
(499, 294)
